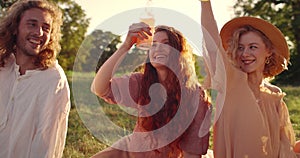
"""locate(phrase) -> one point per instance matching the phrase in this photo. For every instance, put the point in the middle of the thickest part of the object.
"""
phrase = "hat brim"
(271, 31)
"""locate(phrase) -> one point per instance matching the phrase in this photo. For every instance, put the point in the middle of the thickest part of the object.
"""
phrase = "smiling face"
(252, 53)
(159, 52)
(33, 33)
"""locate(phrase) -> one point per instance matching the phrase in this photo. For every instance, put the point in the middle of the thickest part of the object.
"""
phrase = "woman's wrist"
(126, 44)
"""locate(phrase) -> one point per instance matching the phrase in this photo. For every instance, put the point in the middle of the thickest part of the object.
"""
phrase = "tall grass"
(292, 100)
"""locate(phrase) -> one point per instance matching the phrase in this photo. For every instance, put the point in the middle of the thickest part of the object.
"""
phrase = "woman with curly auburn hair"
(171, 104)
(35, 95)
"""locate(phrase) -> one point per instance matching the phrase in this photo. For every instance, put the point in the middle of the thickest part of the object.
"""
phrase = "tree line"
(97, 46)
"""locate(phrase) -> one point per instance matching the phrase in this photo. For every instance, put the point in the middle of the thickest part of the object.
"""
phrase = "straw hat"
(271, 31)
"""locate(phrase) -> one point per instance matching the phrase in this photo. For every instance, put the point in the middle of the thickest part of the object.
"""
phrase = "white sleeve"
(51, 130)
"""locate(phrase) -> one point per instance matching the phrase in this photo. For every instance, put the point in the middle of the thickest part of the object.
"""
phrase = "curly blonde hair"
(10, 22)
(276, 63)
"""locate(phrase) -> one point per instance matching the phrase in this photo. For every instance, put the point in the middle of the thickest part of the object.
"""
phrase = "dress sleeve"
(51, 129)
(124, 90)
(287, 135)
(192, 141)
(216, 62)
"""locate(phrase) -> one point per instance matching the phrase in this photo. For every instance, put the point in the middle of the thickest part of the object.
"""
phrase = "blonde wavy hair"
(10, 22)
(276, 64)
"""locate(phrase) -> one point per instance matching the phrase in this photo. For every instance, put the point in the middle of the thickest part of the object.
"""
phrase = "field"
(81, 143)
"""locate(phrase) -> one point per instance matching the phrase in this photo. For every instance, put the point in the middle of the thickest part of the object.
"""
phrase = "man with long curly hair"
(35, 95)
(172, 107)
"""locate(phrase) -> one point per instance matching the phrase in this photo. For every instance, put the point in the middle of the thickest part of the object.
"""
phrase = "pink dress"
(156, 143)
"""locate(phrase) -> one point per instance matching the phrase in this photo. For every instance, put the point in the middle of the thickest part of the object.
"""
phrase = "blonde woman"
(252, 119)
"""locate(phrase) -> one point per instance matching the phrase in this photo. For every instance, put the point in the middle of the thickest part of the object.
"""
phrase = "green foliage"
(285, 14)
(74, 30)
(4, 4)
(96, 49)
(292, 101)
(133, 61)
(99, 46)
(199, 67)
(106, 45)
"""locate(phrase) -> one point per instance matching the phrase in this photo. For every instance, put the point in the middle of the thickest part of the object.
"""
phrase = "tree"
(4, 4)
(74, 28)
(285, 14)
(96, 48)
(99, 46)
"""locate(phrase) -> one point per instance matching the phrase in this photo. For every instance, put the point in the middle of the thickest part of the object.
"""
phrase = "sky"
(101, 10)
(117, 15)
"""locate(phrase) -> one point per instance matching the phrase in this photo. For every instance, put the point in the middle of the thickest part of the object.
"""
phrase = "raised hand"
(136, 31)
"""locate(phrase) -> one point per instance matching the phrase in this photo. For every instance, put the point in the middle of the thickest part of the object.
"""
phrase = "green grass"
(80, 143)
(292, 100)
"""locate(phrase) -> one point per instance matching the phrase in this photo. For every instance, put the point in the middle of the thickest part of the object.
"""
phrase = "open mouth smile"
(157, 57)
(248, 61)
(35, 42)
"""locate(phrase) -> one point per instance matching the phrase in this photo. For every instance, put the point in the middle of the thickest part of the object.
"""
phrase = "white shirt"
(34, 110)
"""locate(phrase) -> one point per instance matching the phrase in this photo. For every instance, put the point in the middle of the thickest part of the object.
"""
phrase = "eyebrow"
(34, 20)
(250, 43)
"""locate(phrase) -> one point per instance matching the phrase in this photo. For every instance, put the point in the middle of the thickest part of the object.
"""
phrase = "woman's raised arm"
(208, 22)
(103, 77)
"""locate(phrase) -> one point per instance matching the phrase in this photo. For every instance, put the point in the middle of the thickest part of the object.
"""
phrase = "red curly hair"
(181, 79)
